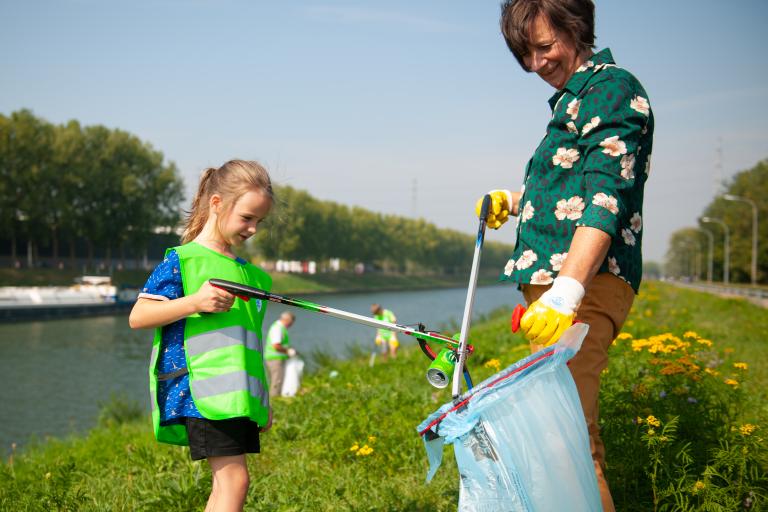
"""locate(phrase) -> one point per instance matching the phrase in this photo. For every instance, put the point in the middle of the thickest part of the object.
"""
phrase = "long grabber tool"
(461, 353)
(246, 292)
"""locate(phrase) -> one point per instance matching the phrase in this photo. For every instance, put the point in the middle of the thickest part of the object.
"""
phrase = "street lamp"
(731, 197)
(711, 251)
(726, 257)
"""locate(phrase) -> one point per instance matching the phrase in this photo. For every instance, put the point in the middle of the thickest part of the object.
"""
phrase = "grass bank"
(683, 405)
(284, 283)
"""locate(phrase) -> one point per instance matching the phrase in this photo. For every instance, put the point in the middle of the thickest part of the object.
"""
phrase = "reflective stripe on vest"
(221, 338)
(228, 383)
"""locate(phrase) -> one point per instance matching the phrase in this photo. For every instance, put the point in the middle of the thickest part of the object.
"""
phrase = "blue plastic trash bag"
(520, 438)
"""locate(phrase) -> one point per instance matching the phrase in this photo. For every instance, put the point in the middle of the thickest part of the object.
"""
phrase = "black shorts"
(219, 438)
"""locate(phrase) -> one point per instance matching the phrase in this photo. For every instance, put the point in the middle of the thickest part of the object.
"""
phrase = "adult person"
(278, 350)
(579, 229)
(386, 340)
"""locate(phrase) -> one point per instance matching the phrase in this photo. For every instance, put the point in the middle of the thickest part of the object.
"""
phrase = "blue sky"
(413, 108)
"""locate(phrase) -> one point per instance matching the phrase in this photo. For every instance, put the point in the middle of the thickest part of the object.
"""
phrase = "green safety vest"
(386, 316)
(223, 350)
(270, 354)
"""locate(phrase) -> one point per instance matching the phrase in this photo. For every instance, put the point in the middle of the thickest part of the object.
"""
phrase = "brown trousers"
(604, 308)
(276, 369)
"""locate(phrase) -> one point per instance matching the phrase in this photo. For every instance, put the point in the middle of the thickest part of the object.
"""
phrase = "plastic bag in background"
(294, 367)
(520, 438)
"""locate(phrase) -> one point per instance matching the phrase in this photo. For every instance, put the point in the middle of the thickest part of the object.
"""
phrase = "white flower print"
(604, 65)
(585, 66)
(557, 260)
(591, 124)
(636, 222)
(526, 259)
(613, 267)
(608, 202)
(527, 213)
(628, 236)
(565, 157)
(640, 104)
(570, 208)
(628, 166)
(572, 127)
(509, 267)
(541, 276)
(613, 146)
(573, 109)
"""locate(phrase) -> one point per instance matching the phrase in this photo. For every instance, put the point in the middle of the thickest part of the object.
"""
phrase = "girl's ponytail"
(198, 215)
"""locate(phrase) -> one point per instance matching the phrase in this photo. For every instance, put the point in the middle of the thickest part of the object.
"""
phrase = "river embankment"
(283, 282)
(683, 407)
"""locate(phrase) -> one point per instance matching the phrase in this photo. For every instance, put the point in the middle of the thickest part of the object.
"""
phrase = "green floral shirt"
(589, 170)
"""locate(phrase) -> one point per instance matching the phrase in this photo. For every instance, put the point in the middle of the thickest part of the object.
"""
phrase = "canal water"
(55, 375)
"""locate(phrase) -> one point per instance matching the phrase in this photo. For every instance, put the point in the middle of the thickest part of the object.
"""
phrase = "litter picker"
(423, 336)
(461, 353)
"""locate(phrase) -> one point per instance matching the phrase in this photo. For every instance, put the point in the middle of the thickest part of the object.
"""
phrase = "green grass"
(308, 462)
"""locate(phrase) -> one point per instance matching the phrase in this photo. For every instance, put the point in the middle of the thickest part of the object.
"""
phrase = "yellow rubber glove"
(547, 318)
(498, 213)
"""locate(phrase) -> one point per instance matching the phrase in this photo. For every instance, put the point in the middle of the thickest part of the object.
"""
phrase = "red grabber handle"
(232, 291)
(517, 314)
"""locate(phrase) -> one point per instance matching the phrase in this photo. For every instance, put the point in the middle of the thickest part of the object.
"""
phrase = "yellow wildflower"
(690, 334)
(732, 382)
(365, 450)
(648, 313)
(747, 429)
(624, 336)
(653, 421)
(651, 431)
(354, 448)
(741, 366)
(712, 372)
(371, 439)
(698, 486)
(702, 341)
(493, 363)
(639, 420)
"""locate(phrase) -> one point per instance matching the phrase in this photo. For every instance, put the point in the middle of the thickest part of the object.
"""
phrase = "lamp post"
(711, 251)
(726, 247)
(731, 197)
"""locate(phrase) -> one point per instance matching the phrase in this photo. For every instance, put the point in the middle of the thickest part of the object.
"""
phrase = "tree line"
(688, 252)
(303, 227)
(67, 185)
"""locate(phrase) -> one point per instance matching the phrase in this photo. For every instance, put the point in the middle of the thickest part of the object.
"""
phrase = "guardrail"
(745, 291)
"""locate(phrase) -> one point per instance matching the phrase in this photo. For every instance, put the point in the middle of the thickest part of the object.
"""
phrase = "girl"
(207, 382)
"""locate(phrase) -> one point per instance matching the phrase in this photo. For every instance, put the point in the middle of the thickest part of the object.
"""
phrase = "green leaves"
(72, 182)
